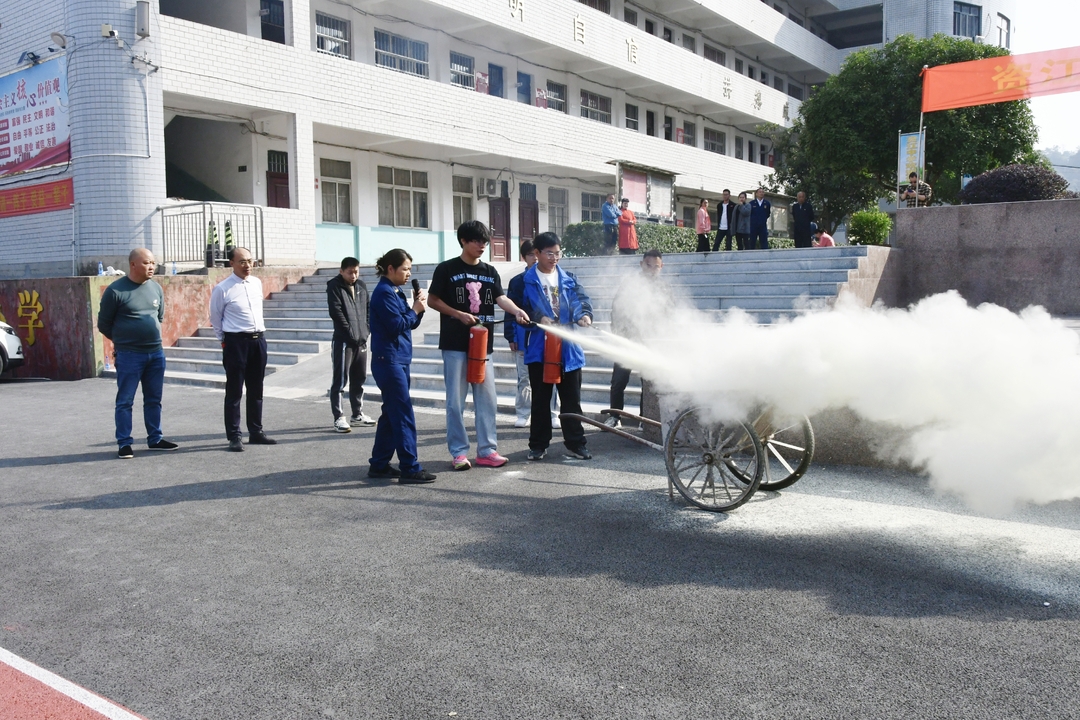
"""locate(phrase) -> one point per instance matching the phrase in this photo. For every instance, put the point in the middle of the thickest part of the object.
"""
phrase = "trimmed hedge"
(869, 227)
(586, 239)
(1016, 183)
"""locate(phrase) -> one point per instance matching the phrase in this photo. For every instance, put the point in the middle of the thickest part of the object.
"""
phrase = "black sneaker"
(582, 453)
(416, 478)
(388, 471)
(163, 445)
(235, 445)
(126, 453)
(261, 439)
(537, 454)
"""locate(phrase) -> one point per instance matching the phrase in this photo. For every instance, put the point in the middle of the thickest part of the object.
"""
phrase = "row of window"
(967, 22)
(403, 198)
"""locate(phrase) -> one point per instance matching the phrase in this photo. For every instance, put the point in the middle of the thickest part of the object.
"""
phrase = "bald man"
(132, 309)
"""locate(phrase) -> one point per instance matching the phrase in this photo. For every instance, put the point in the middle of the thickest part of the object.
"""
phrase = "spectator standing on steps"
(132, 309)
(610, 213)
(702, 225)
(236, 313)
(741, 217)
(347, 301)
(553, 296)
(725, 222)
(465, 290)
(628, 244)
(802, 215)
(642, 301)
(517, 337)
(760, 210)
(392, 322)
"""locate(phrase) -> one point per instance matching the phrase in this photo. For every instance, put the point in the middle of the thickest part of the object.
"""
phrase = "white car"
(11, 351)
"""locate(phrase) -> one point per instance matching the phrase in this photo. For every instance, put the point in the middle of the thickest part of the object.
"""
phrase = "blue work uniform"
(392, 321)
(759, 224)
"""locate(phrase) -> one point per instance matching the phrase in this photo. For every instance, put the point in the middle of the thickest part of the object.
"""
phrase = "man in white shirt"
(724, 227)
(236, 312)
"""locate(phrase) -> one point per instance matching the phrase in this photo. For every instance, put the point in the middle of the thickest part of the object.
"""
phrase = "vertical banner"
(34, 129)
(911, 155)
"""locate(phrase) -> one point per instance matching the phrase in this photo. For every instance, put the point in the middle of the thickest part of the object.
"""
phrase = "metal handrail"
(186, 232)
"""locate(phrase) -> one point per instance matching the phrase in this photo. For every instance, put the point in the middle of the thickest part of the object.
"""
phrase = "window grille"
(401, 54)
(556, 96)
(591, 204)
(462, 71)
(332, 35)
(715, 141)
(595, 107)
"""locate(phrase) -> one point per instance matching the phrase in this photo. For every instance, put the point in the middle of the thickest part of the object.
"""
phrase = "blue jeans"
(485, 404)
(133, 368)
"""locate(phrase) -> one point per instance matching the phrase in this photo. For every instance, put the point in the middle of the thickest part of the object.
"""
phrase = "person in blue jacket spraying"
(554, 296)
(392, 321)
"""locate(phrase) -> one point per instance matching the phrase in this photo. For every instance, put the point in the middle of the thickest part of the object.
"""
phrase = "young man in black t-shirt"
(465, 291)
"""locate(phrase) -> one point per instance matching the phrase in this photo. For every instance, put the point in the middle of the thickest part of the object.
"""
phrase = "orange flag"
(1010, 77)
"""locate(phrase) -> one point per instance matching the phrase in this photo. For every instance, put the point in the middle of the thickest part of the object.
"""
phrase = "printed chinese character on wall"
(579, 29)
(30, 308)
(631, 50)
(517, 9)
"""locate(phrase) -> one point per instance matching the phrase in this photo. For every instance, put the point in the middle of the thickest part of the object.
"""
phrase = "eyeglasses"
(479, 241)
(552, 254)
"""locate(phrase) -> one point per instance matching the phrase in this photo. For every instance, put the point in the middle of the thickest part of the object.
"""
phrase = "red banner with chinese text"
(31, 199)
(993, 80)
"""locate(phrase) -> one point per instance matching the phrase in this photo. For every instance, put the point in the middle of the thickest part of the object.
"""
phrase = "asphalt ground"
(280, 583)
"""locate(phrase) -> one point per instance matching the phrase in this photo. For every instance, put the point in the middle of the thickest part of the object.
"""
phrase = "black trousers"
(620, 377)
(611, 238)
(350, 363)
(702, 242)
(724, 235)
(803, 240)
(244, 358)
(570, 402)
(741, 239)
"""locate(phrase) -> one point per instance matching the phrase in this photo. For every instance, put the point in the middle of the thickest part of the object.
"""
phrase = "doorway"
(528, 211)
(277, 179)
(499, 222)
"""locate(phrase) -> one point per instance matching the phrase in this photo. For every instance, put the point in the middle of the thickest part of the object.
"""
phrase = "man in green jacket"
(132, 309)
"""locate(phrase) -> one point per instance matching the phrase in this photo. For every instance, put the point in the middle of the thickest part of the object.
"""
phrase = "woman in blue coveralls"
(553, 296)
(392, 322)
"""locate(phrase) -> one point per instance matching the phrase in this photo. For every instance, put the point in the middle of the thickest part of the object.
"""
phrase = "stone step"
(282, 334)
(213, 354)
(299, 323)
(215, 367)
(304, 347)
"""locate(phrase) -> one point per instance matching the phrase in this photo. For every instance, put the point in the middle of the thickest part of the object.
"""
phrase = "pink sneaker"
(493, 460)
(461, 463)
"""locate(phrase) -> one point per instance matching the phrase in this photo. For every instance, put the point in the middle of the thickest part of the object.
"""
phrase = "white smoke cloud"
(990, 398)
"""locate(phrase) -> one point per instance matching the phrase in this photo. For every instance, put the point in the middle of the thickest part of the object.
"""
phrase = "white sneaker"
(556, 423)
(521, 422)
(342, 425)
(361, 419)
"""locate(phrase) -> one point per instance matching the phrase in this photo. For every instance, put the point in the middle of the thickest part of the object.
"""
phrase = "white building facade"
(325, 128)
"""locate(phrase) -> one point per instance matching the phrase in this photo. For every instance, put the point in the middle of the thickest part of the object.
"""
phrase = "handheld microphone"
(415, 288)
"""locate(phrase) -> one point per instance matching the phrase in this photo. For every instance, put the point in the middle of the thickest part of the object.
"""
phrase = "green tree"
(845, 140)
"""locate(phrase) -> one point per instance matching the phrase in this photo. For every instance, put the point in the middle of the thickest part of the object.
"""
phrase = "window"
(495, 80)
(967, 20)
(462, 185)
(558, 201)
(401, 54)
(764, 78)
(332, 35)
(277, 161)
(524, 88)
(689, 133)
(668, 35)
(778, 83)
(603, 6)
(462, 71)
(650, 123)
(738, 148)
(715, 141)
(689, 43)
(629, 16)
(750, 151)
(778, 8)
(795, 19)
(272, 13)
(595, 107)
(403, 197)
(764, 154)
(751, 71)
(631, 117)
(1004, 31)
(335, 176)
(716, 55)
(689, 216)
(795, 91)
(556, 96)
(738, 66)
(590, 207)
(669, 124)
(650, 27)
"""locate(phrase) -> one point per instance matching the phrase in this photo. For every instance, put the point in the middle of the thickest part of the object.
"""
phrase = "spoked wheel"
(789, 449)
(715, 466)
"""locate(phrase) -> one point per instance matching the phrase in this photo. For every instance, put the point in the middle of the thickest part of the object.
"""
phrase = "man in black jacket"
(347, 298)
(802, 213)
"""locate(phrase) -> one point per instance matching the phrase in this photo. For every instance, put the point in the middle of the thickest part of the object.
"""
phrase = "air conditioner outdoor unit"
(486, 187)
(491, 185)
(481, 187)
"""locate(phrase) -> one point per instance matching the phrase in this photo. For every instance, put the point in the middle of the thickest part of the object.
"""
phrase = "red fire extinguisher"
(477, 355)
(552, 358)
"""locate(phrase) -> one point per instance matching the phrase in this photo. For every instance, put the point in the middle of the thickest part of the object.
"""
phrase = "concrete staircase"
(771, 284)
